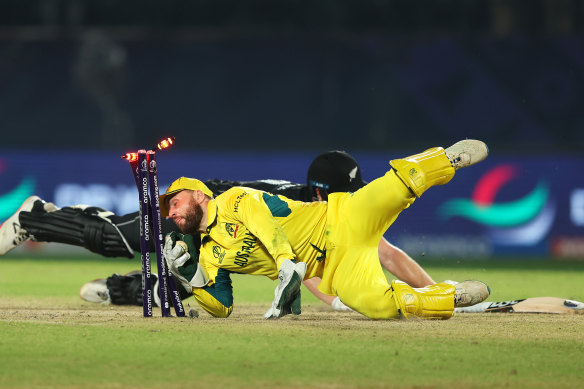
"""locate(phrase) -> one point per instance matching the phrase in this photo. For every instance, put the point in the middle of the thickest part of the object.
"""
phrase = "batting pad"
(422, 171)
(432, 302)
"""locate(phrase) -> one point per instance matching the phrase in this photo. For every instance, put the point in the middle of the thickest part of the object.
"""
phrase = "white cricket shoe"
(95, 292)
(12, 234)
(470, 293)
(466, 153)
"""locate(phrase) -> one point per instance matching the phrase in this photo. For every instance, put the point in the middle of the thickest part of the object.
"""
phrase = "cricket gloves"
(182, 258)
(287, 293)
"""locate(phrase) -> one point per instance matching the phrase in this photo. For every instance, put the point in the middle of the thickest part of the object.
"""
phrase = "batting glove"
(287, 293)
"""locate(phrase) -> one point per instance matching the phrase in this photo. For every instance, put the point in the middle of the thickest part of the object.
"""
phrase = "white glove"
(290, 276)
(338, 305)
(176, 254)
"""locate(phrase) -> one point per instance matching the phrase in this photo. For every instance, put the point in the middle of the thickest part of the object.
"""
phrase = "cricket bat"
(529, 305)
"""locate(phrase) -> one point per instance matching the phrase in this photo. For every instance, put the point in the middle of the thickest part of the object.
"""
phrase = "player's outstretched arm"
(334, 301)
(402, 266)
(312, 285)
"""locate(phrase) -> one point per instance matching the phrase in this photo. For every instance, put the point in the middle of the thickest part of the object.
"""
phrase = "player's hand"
(287, 293)
(176, 254)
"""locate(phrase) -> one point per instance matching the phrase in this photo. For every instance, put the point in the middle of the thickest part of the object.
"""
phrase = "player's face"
(185, 211)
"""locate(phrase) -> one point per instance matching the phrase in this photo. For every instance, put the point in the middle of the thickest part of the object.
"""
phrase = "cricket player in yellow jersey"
(253, 232)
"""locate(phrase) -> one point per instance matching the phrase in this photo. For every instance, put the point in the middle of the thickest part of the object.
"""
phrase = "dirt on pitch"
(508, 350)
(500, 325)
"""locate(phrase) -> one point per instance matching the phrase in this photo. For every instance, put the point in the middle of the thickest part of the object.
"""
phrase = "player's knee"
(222, 313)
(375, 306)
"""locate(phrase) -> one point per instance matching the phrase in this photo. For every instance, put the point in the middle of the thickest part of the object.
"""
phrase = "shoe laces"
(20, 234)
(457, 160)
(454, 159)
(104, 296)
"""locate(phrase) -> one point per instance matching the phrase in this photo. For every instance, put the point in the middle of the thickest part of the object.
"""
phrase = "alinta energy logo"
(521, 222)
(11, 200)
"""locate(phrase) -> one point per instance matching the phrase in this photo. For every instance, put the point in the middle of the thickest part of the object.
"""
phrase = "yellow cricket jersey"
(250, 231)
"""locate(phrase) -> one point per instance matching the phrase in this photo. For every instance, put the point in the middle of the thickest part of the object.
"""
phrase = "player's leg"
(123, 289)
(12, 234)
(439, 300)
(119, 289)
(436, 166)
(362, 286)
(94, 228)
(360, 282)
(373, 208)
(84, 226)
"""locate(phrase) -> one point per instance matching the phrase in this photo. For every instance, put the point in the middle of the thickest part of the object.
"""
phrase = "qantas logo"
(231, 229)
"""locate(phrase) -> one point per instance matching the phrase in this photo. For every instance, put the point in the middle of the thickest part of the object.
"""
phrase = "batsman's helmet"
(334, 171)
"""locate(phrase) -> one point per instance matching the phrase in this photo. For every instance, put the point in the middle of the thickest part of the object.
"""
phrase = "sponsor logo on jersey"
(242, 256)
(218, 253)
(231, 229)
(237, 201)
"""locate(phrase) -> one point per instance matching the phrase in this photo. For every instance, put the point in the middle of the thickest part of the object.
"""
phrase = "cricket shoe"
(119, 289)
(95, 292)
(466, 153)
(12, 234)
(470, 293)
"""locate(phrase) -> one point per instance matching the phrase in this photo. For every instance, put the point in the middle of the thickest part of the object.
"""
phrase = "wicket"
(145, 172)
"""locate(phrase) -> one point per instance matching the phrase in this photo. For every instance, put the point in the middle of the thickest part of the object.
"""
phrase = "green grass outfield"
(50, 338)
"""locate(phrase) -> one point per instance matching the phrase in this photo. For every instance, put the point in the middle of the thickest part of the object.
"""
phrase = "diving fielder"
(252, 232)
(111, 235)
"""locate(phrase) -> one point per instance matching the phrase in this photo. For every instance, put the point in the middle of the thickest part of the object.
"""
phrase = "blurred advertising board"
(505, 206)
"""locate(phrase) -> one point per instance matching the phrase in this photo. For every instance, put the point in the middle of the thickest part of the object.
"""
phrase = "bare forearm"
(402, 266)
(312, 285)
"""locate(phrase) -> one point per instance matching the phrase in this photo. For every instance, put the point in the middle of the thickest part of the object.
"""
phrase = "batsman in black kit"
(110, 235)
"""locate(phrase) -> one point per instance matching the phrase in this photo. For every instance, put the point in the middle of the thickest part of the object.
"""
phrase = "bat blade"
(548, 305)
(553, 305)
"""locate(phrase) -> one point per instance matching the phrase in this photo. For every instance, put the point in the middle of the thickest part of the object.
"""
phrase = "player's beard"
(192, 218)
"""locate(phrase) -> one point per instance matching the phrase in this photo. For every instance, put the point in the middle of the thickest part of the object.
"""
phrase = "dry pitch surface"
(49, 338)
(104, 346)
